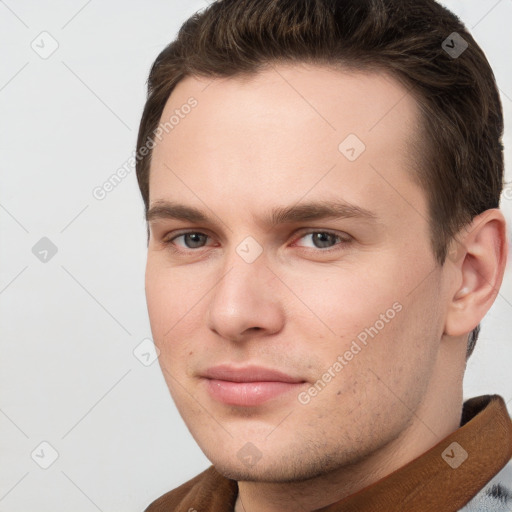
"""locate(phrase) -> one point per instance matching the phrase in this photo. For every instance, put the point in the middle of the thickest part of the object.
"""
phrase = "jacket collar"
(435, 480)
(443, 478)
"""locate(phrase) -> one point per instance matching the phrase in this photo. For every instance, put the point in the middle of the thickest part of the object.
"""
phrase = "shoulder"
(206, 487)
(176, 496)
(496, 496)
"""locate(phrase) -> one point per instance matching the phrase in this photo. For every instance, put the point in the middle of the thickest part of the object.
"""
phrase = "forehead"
(368, 103)
(282, 131)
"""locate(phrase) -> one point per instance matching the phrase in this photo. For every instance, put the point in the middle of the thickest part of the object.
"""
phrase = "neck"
(435, 418)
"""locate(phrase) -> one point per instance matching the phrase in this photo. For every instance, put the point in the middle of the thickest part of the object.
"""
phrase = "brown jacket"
(442, 479)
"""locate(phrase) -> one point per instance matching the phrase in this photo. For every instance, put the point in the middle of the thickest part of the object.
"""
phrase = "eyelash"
(343, 241)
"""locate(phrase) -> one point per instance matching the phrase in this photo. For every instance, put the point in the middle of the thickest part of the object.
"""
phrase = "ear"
(479, 255)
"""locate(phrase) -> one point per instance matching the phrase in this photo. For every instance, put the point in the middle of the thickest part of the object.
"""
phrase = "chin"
(275, 470)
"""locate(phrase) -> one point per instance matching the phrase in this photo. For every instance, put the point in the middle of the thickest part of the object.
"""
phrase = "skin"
(272, 141)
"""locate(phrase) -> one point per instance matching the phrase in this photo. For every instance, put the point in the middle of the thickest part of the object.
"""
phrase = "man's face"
(350, 308)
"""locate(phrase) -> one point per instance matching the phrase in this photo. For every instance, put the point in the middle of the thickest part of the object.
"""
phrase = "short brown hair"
(460, 161)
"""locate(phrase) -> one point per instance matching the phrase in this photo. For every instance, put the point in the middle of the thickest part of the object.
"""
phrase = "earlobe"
(481, 250)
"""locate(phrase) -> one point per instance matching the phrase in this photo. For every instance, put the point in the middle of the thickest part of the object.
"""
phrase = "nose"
(245, 301)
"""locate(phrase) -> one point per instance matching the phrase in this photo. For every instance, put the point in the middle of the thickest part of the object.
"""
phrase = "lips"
(248, 386)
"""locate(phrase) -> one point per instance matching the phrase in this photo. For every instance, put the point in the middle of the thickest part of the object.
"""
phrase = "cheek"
(347, 301)
(169, 301)
(157, 299)
(379, 318)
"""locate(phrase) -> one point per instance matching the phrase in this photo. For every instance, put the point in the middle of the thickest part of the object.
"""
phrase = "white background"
(68, 327)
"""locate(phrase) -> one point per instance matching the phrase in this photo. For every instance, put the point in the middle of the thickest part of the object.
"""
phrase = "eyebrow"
(316, 210)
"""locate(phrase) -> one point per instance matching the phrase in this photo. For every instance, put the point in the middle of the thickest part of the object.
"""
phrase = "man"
(321, 181)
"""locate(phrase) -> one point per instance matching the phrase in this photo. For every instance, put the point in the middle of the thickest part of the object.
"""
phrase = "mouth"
(248, 386)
